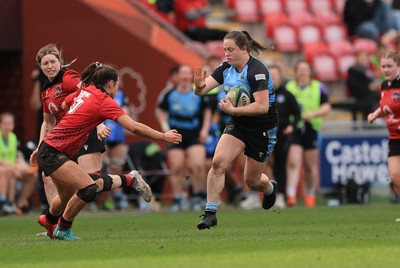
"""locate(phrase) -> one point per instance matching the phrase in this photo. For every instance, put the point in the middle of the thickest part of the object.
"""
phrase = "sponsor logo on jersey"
(58, 90)
(85, 147)
(395, 96)
(260, 77)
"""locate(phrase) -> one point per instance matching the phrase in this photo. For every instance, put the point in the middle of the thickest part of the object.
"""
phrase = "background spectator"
(182, 110)
(13, 167)
(190, 18)
(363, 84)
(289, 116)
(39, 84)
(369, 19)
(312, 96)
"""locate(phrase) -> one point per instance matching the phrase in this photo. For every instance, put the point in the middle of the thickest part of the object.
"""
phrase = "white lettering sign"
(364, 162)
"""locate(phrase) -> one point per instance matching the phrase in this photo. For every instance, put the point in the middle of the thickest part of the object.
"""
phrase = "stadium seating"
(317, 6)
(344, 62)
(285, 37)
(294, 6)
(301, 18)
(341, 47)
(338, 6)
(272, 20)
(334, 32)
(308, 33)
(314, 27)
(324, 67)
(324, 18)
(246, 11)
(314, 48)
(271, 6)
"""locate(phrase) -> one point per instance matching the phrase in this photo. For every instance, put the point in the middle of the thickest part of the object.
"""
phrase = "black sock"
(51, 218)
(64, 224)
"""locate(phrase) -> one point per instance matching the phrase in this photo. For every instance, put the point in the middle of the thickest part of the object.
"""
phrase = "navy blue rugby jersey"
(254, 77)
(185, 110)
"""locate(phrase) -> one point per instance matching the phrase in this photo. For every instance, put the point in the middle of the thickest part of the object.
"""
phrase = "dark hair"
(174, 69)
(296, 65)
(274, 66)
(300, 61)
(98, 74)
(243, 38)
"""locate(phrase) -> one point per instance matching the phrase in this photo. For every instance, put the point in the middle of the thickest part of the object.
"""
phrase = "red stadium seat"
(294, 6)
(274, 19)
(327, 17)
(324, 67)
(338, 6)
(309, 33)
(366, 45)
(271, 6)
(334, 32)
(301, 18)
(344, 62)
(246, 11)
(285, 37)
(313, 48)
(341, 47)
(317, 6)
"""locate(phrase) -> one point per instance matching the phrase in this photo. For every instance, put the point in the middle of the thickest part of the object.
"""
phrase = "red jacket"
(183, 7)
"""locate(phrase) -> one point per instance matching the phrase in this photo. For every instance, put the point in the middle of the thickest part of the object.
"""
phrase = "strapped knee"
(89, 193)
(107, 180)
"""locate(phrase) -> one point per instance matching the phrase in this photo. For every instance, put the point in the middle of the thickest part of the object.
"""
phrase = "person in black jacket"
(368, 19)
(289, 116)
(363, 85)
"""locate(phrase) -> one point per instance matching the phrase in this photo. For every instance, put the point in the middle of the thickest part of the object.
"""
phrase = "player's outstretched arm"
(171, 136)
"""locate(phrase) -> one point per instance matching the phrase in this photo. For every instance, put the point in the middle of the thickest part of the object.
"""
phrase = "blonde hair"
(394, 55)
(51, 49)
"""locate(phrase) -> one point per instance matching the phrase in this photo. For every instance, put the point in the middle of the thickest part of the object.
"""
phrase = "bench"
(349, 104)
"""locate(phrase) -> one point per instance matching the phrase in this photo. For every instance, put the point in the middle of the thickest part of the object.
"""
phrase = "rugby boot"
(269, 200)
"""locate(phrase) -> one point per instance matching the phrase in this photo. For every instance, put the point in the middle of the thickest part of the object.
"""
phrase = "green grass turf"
(349, 236)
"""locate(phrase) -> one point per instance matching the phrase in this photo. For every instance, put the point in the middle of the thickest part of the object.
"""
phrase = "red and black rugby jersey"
(90, 108)
(65, 83)
(390, 105)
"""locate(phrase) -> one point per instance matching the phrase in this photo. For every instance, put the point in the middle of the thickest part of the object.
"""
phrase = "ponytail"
(243, 38)
(98, 74)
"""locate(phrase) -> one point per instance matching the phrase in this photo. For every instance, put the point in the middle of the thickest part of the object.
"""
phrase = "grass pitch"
(348, 236)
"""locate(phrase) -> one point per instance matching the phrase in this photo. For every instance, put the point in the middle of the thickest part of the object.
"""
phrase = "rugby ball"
(239, 96)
